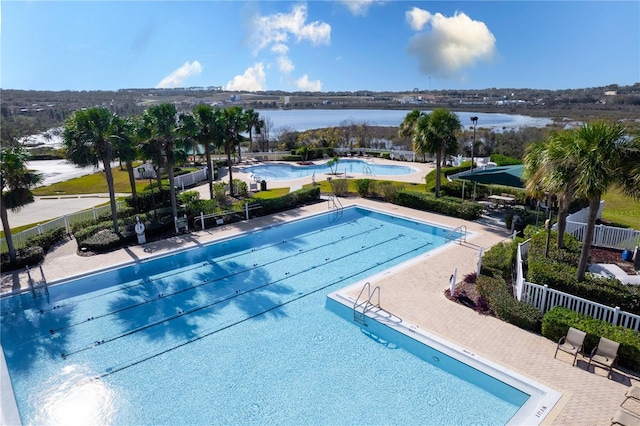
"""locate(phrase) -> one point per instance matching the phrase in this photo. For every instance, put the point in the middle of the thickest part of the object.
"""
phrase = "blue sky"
(318, 45)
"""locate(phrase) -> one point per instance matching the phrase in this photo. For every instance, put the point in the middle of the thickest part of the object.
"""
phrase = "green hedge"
(47, 239)
(427, 202)
(557, 321)
(27, 256)
(498, 295)
(289, 201)
(501, 257)
(503, 160)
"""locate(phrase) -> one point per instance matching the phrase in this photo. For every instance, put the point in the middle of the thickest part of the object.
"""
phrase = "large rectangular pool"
(241, 331)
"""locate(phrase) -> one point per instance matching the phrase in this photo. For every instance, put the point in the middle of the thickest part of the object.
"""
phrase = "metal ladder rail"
(333, 200)
(463, 231)
(359, 316)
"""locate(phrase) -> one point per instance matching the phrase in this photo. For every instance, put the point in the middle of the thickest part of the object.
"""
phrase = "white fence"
(544, 298)
(20, 238)
(190, 178)
(606, 236)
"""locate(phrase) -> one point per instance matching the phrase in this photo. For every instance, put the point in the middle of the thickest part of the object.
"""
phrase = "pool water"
(238, 332)
(280, 171)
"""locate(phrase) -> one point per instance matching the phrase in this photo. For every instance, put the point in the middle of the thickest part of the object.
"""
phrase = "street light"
(144, 173)
(474, 120)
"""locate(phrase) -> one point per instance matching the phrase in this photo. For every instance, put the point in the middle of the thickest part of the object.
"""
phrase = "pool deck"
(416, 294)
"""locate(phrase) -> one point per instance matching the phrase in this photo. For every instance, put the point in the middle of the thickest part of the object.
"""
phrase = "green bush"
(295, 158)
(47, 239)
(385, 155)
(500, 300)
(503, 160)
(289, 201)
(445, 205)
(501, 257)
(557, 321)
(27, 256)
(340, 187)
(388, 191)
(363, 186)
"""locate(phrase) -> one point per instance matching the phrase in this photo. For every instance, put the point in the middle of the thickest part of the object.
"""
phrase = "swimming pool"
(235, 332)
(282, 171)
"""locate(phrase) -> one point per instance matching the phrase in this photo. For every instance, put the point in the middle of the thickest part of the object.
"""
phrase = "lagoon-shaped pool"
(281, 171)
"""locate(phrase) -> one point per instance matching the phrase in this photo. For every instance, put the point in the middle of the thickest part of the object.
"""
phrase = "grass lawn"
(620, 210)
(92, 184)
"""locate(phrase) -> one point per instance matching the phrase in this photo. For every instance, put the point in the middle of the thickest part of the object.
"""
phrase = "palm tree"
(124, 145)
(88, 140)
(253, 121)
(434, 133)
(163, 133)
(208, 132)
(16, 182)
(234, 124)
(550, 169)
(597, 152)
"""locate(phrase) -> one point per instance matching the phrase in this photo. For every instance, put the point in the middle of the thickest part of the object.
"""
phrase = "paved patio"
(416, 294)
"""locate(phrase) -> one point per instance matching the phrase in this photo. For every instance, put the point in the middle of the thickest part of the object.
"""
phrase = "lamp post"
(474, 120)
(143, 172)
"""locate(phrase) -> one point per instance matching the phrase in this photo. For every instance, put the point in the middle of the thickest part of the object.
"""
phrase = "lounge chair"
(605, 354)
(625, 418)
(572, 343)
(632, 393)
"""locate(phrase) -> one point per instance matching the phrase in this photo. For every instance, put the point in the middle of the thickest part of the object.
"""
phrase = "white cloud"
(178, 77)
(253, 79)
(417, 18)
(285, 65)
(359, 7)
(277, 28)
(452, 44)
(305, 85)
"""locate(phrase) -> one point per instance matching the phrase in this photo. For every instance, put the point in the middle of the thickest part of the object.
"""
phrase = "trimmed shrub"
(450, 207)
(363, 186)
(501, 258)
(27, 256)
(388, 191)
(289, 201)
(557, 321)
(500, 300)
(295, 158)
(503, 160)
(340, 187)
(47, 239)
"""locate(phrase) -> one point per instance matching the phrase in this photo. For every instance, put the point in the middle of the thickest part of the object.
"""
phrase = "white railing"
(521, 254)
(544, 298)
(190, 178)
(606, 236)
(20, 238)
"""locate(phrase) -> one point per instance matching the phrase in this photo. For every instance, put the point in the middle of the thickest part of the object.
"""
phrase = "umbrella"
(503, 175)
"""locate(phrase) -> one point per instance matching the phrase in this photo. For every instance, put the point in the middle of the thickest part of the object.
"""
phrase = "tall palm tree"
(124, 148)
(235, 124)
(163, 130)
(253, 121)
(597, 151)
(88, 140)
(16, 182)
(434, 133)
(551, 171)
(207, 133)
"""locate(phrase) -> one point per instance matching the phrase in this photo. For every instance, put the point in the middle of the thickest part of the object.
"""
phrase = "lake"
(305, 119)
